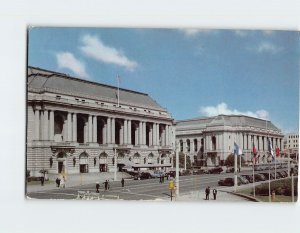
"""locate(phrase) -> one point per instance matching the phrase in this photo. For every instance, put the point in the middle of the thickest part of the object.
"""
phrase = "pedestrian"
(57, 181)
(163, 178)
(42, 180)
(108, 186)
(63, 182)
(215, 194)
(122, 182)
(160, 179)
(207, 192)
(97, 187)
(105, 185)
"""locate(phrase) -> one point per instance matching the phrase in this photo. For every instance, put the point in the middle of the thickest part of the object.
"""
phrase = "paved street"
(150, 189)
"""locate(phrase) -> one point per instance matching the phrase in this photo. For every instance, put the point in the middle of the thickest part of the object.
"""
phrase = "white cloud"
(222, 108)
(94, 48)
(267, 47)
(67, 60)
(192, 32)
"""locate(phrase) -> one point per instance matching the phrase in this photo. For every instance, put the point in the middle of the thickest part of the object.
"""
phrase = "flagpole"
(118, 78)
(253, 162)
(235, 171)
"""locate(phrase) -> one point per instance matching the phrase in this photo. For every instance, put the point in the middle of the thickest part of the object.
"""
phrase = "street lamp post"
(269, 161)
(115, 165)
(292, 173)
(177, 171)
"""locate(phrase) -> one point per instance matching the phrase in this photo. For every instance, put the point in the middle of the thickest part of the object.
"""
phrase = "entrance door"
(84, 168)
(60, 167)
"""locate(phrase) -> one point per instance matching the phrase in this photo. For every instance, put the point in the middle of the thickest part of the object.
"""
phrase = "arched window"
(136, 158)
(84, 162)
(150, 158)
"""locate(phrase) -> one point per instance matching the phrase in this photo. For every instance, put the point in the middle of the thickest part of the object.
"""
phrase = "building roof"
(42, 80)
(226, 120)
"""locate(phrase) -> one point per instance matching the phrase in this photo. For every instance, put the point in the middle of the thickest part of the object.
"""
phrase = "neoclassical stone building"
(210, 140)
(77, 126)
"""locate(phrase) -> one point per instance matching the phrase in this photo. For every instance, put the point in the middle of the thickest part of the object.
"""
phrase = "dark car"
(230, 169)
(259, 177)
(279, 175)
(186, 173)
(248, 177)
(229, 182)
(198, 172)
(145, 175)
(266, 175)
(216, 170)
(171, 174)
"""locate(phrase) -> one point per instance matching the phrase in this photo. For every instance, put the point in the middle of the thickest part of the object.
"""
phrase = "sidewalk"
(77, 180)
(222, 196)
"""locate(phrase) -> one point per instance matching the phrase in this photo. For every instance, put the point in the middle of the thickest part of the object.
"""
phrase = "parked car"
(186, 172)
(243, 180)
(229, 182)
(283, 174)
(249, 178)
(198, 171)
(279, 175)
(266, 175)
(230, 169)
(259, 177)
(171, 174)
(215, 170)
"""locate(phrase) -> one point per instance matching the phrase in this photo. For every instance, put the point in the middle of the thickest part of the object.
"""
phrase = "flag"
(270, 148)
(277, 151)
(237, 150)
(254, 150)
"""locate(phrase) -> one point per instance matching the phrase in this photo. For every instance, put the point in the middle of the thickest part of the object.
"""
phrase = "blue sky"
(191, 72)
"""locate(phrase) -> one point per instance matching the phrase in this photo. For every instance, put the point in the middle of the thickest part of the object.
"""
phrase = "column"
(45, 125)
(280, 144)
(94, 129)
(125, 132)
(167, 135)
(108, 130)
(129, 132)
(104, 133)
(261, 143)
(136, 135)
(51, 126)
(150, 136)
(113, 131)
(140, 133)
(144, 133)
(74, 127)
(37, 124)
(90, 131)
(121, 135)
(154, 134)
(157, 134)
(249, 146)
(192, 146)
(184, 146)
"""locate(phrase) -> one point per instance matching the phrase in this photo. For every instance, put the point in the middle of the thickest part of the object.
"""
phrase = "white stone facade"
(75, 132)
(210, 140)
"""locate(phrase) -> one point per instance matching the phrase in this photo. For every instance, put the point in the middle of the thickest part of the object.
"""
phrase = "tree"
(181, 161)
(230, 160)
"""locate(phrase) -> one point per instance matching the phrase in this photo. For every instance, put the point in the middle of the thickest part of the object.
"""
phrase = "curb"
(242, 195)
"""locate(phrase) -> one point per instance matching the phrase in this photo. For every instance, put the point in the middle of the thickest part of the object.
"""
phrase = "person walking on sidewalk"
(97, 187)
(57, 181)
(123, 182)
(207, 192)
(215, 194)
(105, 184)
(63, 182)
